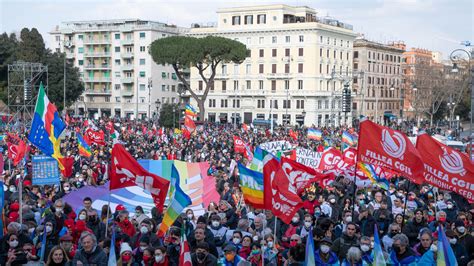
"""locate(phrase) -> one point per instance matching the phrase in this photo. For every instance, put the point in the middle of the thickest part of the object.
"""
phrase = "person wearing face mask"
(307, 226)
(292, 229)
(366, 221)
(440, 220)
(160, 257)
(451, 211)
(145, 229)
(139, 215)
(124, 223)
(324, 255)
(9, 249)
(255, 256)
(459, 250)
(326, 208)
(237, 240)
(57, 215)
(51, 238)
(401, 253)
(366, 248)
(231, 258)
(464, 238)
(335, 207)
(94, 224)
(126, 256)
(202, 257)
(219, 231)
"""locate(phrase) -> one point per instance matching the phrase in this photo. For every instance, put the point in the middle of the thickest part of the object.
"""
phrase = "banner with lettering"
(308, 157)
(274, 146)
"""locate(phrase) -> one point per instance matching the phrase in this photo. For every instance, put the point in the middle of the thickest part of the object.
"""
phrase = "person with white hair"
(90, 253)
(402, 254)
(353, 257)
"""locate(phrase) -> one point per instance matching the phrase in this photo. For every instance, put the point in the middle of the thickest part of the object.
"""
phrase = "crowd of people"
(406, 216)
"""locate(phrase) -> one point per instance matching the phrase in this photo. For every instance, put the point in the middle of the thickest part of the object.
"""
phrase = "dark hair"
(237, 232)
(87, 199)
(257, 245)
(203, 245)
(298, 253)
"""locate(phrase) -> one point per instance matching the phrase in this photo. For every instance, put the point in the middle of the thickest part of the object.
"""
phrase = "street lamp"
(455, 70)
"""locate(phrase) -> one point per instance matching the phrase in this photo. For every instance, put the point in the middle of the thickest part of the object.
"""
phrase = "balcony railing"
(97, 79)
(96, 41)
(127, 67)
(126, 42)
(99, 66)
(98, 92)
(97, 54)
(127, 55)
(70, 55)
(127, 93)
(127, 80)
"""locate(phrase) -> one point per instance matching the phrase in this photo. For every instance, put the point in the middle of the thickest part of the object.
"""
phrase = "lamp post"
(157, 104)
(471, 69)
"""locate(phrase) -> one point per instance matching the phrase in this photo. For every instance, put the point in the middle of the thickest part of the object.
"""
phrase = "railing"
(98, 92)
(127, 67)
(126, 42)
(102, 66)
(127, 80)
(97, 79)
(127, 55)
(97, 54)
(96, 41)
(127, 93)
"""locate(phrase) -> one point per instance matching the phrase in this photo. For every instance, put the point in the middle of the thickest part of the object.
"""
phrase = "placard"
(45, 170)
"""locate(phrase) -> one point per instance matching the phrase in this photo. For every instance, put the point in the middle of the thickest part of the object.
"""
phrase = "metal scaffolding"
(24, 79)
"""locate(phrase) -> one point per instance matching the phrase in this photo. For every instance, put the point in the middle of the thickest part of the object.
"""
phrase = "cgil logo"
(394, 146)
(452, 162)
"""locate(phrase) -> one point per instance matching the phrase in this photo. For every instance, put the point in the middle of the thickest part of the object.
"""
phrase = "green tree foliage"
(205, 54)
(30, 47)
(166, 115)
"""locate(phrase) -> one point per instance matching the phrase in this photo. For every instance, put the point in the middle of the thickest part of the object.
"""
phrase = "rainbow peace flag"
(46, 127)
(179, 201)
(348, 138)
(369, 171)
(189, 110)
(251, 184)
(84, 148)
(315, 134)
(257, 161)
(445, 256)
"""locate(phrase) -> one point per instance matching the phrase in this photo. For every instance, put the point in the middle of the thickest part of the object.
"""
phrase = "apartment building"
(119, 75)
(377, 88)
(296, 71)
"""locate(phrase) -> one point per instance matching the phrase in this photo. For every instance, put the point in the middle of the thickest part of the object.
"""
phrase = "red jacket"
(127, 227)
(309, 205)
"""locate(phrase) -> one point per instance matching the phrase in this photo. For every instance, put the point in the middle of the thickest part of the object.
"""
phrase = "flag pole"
(275, 228)
(405, 206)
(107, 218)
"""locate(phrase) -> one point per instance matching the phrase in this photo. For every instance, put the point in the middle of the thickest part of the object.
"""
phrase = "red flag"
(67, 119)
(268, 133)
(280, 194)
(239, 145)
(68, 163)
(300, 175)
(379, 145)
(327, 181)
(245, 127)
(186, 134)
(189, 123)
(126, 171)
(293, 134)
(110, 127)
(16, 148)
(184, 253)
(96, 137)
(349, 155)
(445, 167)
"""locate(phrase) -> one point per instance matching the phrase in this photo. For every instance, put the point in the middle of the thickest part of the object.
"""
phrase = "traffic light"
(346, 99)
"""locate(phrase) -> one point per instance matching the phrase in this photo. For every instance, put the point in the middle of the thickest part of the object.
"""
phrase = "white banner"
(274, 146)
(308, 157)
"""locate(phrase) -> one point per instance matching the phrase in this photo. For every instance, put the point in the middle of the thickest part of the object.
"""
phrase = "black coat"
(97, 257)
(412, 229)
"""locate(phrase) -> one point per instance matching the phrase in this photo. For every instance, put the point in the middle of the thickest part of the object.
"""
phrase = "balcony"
(272, 76)
(70, 55)
(127, 93)
(126, 42)
(127, 80)
(128, 67)
(97, 79)
(97, 54)
(127, 55)
(98, 92)
(97, 67)
(96, 41)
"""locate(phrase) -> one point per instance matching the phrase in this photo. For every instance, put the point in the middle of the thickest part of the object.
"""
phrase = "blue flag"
(310, 261)
(112, 259)
(43, 245)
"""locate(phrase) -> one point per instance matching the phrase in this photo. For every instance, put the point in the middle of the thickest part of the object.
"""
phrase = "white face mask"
(14, 243)
(324, 249)
(66, 188)
(49, 229)
(142, 248)
(348, 219)
(144, 230)
(270, 244)
(255, 238)
(453, 241)
(215, 223)
(31, 230)
(364, 248)
(332, 200)
(434, 248)
(295, 219)
(159, 258)
(461, 229)
(307, 224)
(236, 240)
(190, 216)
(82, 217)
(59, 210)
(450, 206)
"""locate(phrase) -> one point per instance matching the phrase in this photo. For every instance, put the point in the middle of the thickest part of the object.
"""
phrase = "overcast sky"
(438, 25)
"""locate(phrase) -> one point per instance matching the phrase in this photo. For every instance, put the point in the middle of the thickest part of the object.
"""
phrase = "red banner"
(16, 148)
(280, 195)
(350, 155)
(293, 134)
(389, 148)
(96, 137)
(68, 163)
(301, 176)
(239, 145)
(445, 167)
(125, 171)
(189, 123)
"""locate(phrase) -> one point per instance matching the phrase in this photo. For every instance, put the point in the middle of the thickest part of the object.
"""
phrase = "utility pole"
(150, 84)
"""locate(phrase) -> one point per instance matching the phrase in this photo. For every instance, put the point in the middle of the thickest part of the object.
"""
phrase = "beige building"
(119, 75)
(294, 54)
(378, 87)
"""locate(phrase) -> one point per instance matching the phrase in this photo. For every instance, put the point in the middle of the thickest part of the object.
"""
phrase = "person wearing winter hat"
(66, 243)
(126, 257)
(324, 255)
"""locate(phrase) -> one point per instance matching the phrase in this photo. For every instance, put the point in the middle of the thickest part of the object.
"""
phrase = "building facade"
(296, 70)
(119, 75)
(378, 87)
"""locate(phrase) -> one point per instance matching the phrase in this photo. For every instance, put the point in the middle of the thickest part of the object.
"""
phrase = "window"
(163, 75)
(287, 52)
(142, 49)
(117, 99)
(117, 49)
(260, 68)
(142, 99)
(80, 37)
(274, 68)
(117, 87)
(287, 39)
(356, 66)
(335, 54)
(81, 62)
(274, 85)
(224, 85)
(248, 68)
(249, 84)
(224, 70)
(261, 19)
(321, 52)
(300, 84)
(249, 41)
(142, 35)
(274, 52)
(142, 87)
(236, 85)
(260, 40)
(142, 74)
(142, 61)
(224, 103)
(287, 84)
(163, 87)
(200, 85)
(319, 104)
(173, 88)
(58, 38)
(287, 68)
(236, 69)
(117, 74)
(274, 39)
(300, 52)
(117, 36)
(301, 38)
(212, 102)
(236, 103)
(300, 68)
(260, 84)
(236, 20)
(321, 39)
(320, 68)
(260, 103)
(248, 19)
(117, 62)
(261, 52)
(80, 50)
(327, 53)
(299, 104)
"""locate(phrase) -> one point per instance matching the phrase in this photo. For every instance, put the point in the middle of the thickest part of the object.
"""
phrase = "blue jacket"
(333, 260)
(427, 259)
(409, 259)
